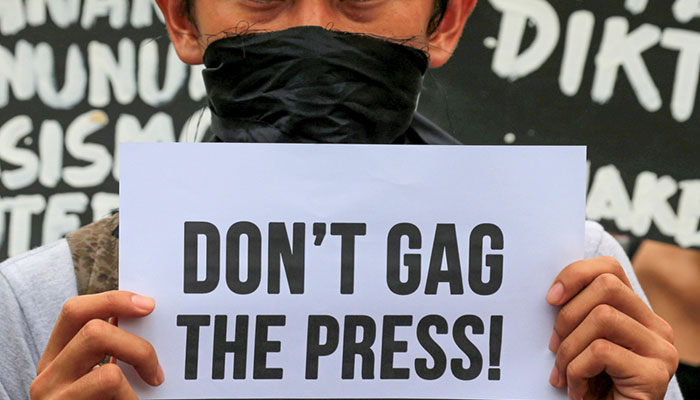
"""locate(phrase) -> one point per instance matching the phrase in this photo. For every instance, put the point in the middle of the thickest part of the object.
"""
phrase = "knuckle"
(608, 283)
(573, 370)
(145, 351)
(672, 359)
(564, 354)
(41, 366)
(93, 331)
(70, 309)
(604, 315)
(659, 372)
(37, 388)
(33, 391)
(110, 377)
(613, 264)
(600, 348)
(665, 330)
(151, 351)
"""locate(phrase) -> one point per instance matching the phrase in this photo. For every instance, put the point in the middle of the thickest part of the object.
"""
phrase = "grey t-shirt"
(34, 286)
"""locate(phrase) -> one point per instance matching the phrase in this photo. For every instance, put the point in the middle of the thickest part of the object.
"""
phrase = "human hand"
(604, 327)
(80, 340)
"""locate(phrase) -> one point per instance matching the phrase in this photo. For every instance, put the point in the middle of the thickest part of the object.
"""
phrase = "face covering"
(309, 84)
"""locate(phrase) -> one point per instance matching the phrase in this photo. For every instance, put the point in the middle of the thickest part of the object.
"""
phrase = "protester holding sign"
(602, 327)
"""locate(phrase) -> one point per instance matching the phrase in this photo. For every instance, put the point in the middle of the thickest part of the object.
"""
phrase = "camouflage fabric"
(95, 250)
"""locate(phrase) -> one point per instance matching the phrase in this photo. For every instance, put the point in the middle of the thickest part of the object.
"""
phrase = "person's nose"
(314, 13)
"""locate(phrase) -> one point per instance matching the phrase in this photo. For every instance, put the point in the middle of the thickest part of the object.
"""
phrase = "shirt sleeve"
(18, 352)
(33, 288)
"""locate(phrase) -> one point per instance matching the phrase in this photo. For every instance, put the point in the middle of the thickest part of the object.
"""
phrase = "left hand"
(604, 327)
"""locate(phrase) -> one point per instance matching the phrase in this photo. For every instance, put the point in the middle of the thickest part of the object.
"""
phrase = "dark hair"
(439, 9)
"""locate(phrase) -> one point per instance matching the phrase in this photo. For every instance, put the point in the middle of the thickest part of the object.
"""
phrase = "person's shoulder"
(599, 243)
(39, 281)
(38, 264)
(595, 234)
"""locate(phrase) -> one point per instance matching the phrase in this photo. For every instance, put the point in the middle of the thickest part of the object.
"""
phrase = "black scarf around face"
(309, 84)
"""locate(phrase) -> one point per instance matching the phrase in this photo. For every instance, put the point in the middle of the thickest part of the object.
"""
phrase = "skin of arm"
(670, 277)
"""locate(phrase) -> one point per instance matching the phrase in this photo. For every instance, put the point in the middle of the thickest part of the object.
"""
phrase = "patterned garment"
(95, 251)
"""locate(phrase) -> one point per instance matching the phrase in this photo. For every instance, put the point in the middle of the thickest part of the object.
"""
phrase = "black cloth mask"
(310, 84)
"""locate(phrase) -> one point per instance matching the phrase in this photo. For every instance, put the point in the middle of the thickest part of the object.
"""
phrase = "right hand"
(81, 339)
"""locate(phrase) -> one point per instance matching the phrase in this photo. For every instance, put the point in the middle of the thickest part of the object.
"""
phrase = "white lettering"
(689, 214)
(175, 75)
(686, 10)
(94, 9)
(685, 85)
(103, 204)
(63, 12)
(128, 129)
(196, 87)
(21, 209)
(142, 13)
(97, 155)
(106, 70)
(11, 18)
(620, 48)
(650, 202)
(578, 41)
(50, 153)
(60, 217)
(608, 198)
(507, 62)
(28, 163)
(75, 81)
(15, 71)
(636, 6)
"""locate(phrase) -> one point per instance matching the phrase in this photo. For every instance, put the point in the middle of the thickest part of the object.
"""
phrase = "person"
(310, 70)
(670, 277)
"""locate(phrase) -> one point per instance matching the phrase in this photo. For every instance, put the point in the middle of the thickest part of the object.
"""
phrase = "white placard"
(348, 271)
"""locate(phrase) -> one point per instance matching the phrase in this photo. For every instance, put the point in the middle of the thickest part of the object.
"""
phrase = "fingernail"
(143, 302)
(554, 342)
(555, 294)
(160, 376)
(554, 377)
